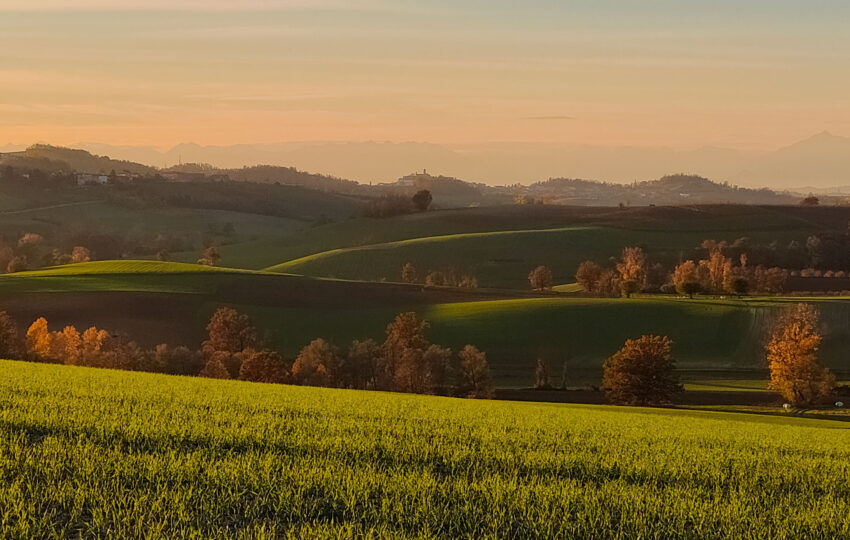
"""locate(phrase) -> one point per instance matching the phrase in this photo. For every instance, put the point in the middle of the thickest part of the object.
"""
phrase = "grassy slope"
(721, 222)
(503, 259)
(170, 302)
(501, 244)
(261, 241)
(103, 453)
(126, 267)
(187, 211)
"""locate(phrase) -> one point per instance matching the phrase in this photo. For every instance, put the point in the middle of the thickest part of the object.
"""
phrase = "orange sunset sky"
(746, 74)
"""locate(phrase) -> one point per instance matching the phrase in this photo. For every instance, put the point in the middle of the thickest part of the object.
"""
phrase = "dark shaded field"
(720, 338)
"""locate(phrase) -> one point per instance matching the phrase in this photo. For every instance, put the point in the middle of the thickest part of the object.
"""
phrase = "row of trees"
(406, 361)
(396, 205)
(643, 371)
(824, 251)
(438, 278)
(31, 251)
(716, 274)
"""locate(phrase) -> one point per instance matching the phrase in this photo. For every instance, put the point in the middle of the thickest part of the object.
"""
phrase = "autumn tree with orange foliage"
(475, 381)
(407, 331)
(792, 356)
(405, 362)
(38, 341)
(317, 364)
(641, 373)
(261, 366)
(65, 346)
(588, 275)
(230, 333)
(632, 268)
(686, 279)
(214, 367)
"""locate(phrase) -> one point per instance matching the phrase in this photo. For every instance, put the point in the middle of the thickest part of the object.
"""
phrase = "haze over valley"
(820, 162)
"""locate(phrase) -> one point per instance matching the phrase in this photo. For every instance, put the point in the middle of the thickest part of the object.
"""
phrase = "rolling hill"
(167, 302)
(500, 245)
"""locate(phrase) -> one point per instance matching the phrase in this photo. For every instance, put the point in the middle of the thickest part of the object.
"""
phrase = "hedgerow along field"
(99, 453)
(714, 339)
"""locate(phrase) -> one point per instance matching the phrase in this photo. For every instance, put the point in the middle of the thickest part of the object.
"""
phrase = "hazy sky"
(748, 74)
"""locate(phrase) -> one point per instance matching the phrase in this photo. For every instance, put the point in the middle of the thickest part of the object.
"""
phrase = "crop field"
(98, 453)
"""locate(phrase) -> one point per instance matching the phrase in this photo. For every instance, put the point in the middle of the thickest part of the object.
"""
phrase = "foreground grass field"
(96, 453)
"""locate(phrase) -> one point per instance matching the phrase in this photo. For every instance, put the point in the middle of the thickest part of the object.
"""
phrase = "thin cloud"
(181, 5)
(554, 117)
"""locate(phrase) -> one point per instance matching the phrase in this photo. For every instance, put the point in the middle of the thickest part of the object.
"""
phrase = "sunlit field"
(96, 453)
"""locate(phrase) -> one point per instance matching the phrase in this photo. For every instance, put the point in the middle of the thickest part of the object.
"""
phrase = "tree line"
(738, 268)
(30, 250)
(406, 361)
(643, 371)
(395, 205)
(716, 273)
(438, 278)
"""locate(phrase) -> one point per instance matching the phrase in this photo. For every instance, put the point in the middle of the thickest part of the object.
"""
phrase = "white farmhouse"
(89, 178)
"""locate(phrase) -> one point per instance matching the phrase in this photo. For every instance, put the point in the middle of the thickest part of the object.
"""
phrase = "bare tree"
(541, 376)
(541, 278)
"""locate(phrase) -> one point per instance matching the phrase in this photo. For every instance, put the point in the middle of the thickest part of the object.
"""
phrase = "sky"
(744, 74)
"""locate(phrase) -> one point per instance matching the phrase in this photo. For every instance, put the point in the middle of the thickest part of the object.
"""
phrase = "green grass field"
(305, 223)
(98, 453)
(187, 214)
(681, 228)
(500, 259)
(503, 256)
(126, 267)
(716, 339)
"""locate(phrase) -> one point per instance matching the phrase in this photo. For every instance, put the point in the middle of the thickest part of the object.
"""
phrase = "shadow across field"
(596, 397)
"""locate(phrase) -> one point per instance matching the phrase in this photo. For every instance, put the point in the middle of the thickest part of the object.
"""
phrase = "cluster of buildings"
(84, 179)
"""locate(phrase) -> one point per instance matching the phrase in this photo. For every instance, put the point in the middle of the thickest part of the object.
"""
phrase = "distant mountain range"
(447, 191)
(821, 161)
